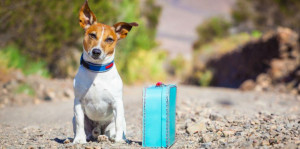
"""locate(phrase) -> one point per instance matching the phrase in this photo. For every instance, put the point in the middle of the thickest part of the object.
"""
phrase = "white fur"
(99, 97)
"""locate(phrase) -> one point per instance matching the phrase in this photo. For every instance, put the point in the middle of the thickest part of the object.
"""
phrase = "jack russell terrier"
(98, 105)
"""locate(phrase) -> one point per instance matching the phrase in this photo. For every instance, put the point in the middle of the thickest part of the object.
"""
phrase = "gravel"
(204, 120)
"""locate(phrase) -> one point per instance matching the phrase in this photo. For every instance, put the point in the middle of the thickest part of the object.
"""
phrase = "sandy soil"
(206, 117)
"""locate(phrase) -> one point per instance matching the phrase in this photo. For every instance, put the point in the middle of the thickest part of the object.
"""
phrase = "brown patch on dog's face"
(100, 36)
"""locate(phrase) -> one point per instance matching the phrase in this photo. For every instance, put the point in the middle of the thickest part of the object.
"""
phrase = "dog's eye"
(109, 40)
(92, 35)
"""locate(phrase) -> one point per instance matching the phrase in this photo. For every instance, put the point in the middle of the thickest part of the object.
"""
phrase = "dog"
(98, 105)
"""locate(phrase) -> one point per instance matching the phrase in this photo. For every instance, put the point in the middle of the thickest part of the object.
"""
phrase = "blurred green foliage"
(204, 78)
(215, 27)
(256, 34)
(219, 46)
(25, 89)
(265, 15)
(179, 67)
(145, 65)
(11, 57)
(141, 38)
(49, 30)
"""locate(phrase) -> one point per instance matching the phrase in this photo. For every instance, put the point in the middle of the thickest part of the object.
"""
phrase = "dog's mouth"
(95, 57)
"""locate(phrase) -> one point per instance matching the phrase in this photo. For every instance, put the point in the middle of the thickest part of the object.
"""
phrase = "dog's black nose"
(96, 52)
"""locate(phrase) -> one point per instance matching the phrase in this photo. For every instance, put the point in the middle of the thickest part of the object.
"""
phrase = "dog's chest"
(98, 102)
(98, 92)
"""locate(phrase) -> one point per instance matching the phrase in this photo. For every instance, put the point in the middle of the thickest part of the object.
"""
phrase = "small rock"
(228, 133)
(222, 142)
(102, 138)
(206, 145)
(232, 140)
(265, 136)
(50, 95)
(198, 127)
(272, 141)
(266, 119)
(209, 137)
(265, 143)
(66, 141)
(230, 119)
(263, 80)
(88, 147)
(238, 133)
(215, 117)
(68, 93)
(36, 101)
(4, 91)
(273, 127)
(220, 134)
(288, 126)
(254, 142)
(247, 85)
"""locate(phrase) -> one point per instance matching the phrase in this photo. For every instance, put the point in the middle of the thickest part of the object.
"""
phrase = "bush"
(11, 57)
(210, 29)
(204, 78)
(24, 88)
(265, 15)
(145, 65)
(49, 30)
(180, 67)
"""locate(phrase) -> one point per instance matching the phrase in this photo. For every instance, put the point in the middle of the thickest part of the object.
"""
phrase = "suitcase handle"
(158, 84)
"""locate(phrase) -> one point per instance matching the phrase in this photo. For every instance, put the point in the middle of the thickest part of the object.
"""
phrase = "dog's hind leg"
(96, 132)
(88, 128)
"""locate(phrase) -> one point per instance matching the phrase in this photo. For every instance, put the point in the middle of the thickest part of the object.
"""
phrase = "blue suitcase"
(159, 113)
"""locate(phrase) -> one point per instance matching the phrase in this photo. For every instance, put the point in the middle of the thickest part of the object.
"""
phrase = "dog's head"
(100, 39)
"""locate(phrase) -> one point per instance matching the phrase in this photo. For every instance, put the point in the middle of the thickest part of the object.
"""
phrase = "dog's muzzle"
(96, 53)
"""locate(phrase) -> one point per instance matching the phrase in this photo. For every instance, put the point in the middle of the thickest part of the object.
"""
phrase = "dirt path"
(206, 117)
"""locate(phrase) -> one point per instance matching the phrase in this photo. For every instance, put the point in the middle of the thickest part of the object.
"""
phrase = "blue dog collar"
(96, 67)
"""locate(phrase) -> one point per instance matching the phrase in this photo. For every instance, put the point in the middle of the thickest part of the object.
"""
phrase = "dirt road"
(206, 117)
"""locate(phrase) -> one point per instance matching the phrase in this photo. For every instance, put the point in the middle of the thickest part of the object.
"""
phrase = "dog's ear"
(86, 16)
(122, 29)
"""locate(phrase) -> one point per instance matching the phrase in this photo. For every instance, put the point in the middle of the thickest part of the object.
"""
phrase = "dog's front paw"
(79, 140)
(118, 140)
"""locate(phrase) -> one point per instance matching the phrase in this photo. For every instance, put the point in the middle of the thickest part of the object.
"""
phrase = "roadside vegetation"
(46, 35)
